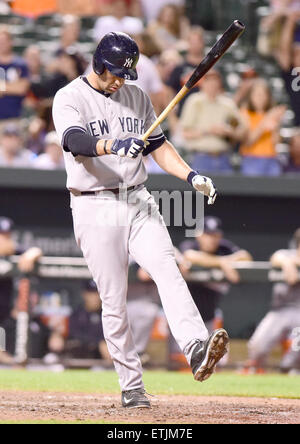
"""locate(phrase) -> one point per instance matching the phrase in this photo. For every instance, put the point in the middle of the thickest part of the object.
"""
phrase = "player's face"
(209, 242)
(110, 83)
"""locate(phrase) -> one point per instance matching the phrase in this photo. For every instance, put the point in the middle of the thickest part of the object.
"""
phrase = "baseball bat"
(218, 50)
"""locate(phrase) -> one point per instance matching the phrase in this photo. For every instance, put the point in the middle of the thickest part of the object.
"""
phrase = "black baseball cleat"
(208, 353)
(135, 399)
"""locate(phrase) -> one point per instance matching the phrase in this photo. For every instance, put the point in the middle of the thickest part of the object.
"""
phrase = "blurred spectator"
(52, 158)
(272, 26)
(288, 58)
(4, 7)
(148, 75)
(77, 7)
(151, 9)
(38, 126)
(170, 28)
(211, 125)
(32, 57)
(211, 249)
(284, 315)
(167, 62)
(248, 77)
(143, 308)
(263, 120)
(86, 337)
(293, 165)
(70, 33)
(32, 8)
(106, 7)
(67, 66)
(16, 78)
(12, 151)
(118, 21)
(180, 75)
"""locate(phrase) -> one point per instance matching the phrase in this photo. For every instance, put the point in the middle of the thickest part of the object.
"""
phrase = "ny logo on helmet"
(128, 63)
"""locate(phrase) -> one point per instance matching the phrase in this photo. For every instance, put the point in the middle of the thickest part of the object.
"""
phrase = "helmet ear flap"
(98, 66)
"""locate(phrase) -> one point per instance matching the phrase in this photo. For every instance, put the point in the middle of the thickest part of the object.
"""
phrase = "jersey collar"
(105, 94)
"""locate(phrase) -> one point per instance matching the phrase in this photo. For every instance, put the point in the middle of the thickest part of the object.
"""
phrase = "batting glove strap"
(127, 148)
(191, 177)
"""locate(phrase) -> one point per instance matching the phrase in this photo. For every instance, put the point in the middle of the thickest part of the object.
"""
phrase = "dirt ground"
(29, 406)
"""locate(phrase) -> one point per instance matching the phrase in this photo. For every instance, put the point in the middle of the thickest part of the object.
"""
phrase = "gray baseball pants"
(107, 229)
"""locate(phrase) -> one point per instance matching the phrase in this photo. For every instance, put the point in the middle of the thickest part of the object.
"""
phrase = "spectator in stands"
(182, 72)
(211, 125)
(106, 7)
(86, 338)
(284, 315)
(39, 126)
(27, 260)
(148, 75)
(211, 249)
(70, 33)
(12, 151)
(271, 27)
(4, 7)
(52, 158)
(118, 21)
(263, 120)
(248, 77)
(288, 58)
(179, 76)
(36, 71)
(151, 9)
(67, 66)
(293, 165)
(170, 28)
(16, 78)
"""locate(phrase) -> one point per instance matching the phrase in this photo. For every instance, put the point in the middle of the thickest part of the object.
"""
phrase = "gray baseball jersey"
(126, 113)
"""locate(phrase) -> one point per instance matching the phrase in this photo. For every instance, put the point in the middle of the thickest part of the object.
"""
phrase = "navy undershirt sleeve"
(80, 143)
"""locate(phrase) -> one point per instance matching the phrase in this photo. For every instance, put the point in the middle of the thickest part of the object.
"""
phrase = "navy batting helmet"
(119, 54)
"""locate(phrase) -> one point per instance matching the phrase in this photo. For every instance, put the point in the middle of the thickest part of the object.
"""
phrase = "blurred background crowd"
(242, 117)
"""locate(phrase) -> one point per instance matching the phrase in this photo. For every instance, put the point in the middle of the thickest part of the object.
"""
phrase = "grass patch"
(156, 382)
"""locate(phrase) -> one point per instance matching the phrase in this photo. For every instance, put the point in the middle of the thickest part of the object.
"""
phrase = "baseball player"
(101, 120)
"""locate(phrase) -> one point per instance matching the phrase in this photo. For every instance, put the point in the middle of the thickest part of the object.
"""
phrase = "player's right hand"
(128, 148)
(204, 185)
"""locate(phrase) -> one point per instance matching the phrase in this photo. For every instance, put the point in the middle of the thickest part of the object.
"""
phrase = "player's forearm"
(104, 147)
(240, 256)
(202, 259)
(170, 161)
(18, 88)
(284, 54)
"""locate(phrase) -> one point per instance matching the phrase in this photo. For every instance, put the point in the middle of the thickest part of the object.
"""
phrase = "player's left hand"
(131, 147)
(204, 185)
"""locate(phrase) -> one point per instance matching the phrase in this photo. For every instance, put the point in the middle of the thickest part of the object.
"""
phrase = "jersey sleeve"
(157, 138)
(66, 117)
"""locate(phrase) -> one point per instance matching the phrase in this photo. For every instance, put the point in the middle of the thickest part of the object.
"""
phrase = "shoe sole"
(137, 406)
(216, 349)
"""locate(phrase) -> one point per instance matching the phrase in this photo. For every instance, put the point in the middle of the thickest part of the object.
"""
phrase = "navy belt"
(114, 191)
